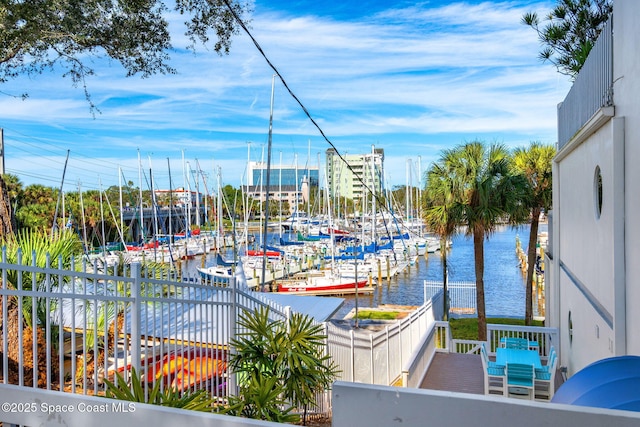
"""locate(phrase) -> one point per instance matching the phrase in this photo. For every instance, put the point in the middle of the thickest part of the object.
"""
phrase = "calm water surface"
(503, 279)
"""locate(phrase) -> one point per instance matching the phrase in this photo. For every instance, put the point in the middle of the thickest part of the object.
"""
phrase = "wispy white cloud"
(411, 80)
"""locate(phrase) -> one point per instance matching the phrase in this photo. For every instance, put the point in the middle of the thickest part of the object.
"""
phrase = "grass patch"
(467, 328)
(377, 315)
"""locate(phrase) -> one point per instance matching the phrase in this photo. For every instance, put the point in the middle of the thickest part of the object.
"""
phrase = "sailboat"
(328, 283)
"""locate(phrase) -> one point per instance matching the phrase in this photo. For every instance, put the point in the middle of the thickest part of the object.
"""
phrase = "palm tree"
(484, 193)
(440, 187)
(534, 163)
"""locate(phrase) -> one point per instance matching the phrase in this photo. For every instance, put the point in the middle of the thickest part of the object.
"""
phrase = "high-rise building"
(289, 183)
(355, 174)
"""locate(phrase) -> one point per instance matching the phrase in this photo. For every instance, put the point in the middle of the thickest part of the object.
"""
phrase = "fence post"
(373, 374)
(287, 315)
(424, 291)
(353, 357)
(231, 322)
(136, 315)
(386, 329)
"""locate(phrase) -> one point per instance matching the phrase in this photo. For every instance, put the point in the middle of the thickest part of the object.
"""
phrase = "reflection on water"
(503, 280)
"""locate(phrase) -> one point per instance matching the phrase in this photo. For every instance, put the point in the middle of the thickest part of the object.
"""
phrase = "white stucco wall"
(587, 246)
(627, 102)
(586, 250)
(596, 265)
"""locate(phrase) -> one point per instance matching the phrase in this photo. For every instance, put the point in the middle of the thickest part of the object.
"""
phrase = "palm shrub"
(37, 248)
(137, 391)
(27, 316)
(281, 366)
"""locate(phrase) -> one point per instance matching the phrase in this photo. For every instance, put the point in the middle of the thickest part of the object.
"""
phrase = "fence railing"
(439, 339)
(35, 407)
(68, 328)
(462, 295)
(93, 323)
(591, 90)
(436, 340)
(378, 356)
(543, 336)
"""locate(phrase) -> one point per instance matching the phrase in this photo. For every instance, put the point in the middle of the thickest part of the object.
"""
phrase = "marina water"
(504, 280)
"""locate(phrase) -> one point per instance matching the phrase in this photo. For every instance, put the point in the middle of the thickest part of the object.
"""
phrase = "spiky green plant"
(136, 391)
(289, 353)
(39, 249)
(261, 399)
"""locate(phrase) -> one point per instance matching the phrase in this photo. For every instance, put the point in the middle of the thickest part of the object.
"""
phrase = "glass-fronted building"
(288, 183)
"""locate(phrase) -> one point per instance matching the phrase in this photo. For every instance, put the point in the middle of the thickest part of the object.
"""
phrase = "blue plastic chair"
(494, 377)
(545, 378)
(517, 343)
(520, 381)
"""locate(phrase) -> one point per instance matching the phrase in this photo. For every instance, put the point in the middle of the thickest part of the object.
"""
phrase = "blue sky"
(411, 78)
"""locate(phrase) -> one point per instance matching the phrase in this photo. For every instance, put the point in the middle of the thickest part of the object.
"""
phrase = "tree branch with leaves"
(570, 32)
(40, 35)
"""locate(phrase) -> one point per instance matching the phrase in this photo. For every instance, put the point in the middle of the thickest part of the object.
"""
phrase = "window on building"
(597, 191)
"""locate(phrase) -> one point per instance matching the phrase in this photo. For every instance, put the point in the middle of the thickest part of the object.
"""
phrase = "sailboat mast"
(419, 201)
(280, 197)
(140, 195)
(373, 195)
(55, 216)
(84, 224)
(154, 211)
(104, 237)
(297, 189)
(120, 199)
(308, 186)
(197, 194)
(406, 194)
(245, 198)
(219, 212)
(170, 204)
(266, 201)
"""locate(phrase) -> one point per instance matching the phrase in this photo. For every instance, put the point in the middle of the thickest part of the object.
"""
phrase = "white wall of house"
(594, 276)
(627, 103)
(586, 251)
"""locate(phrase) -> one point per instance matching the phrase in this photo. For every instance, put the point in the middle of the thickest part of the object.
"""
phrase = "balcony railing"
(592, 89)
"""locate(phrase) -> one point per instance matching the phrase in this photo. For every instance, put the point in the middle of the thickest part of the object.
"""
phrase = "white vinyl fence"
(378, 355)
(462, 295)
(93, 324)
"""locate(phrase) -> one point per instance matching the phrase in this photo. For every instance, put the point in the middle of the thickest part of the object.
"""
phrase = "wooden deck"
(455, 372)
(460, 373)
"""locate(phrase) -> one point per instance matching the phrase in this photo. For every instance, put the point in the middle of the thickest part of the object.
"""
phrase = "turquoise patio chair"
(485, 357)
(517, 343)
(520, 381)
(494, 377)
(545, 378)
(546, 368)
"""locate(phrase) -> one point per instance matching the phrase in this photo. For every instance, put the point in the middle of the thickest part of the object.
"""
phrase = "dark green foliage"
(137, 391)
(39, 35)
(571, 30)
(281, 365)
(475, 187)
